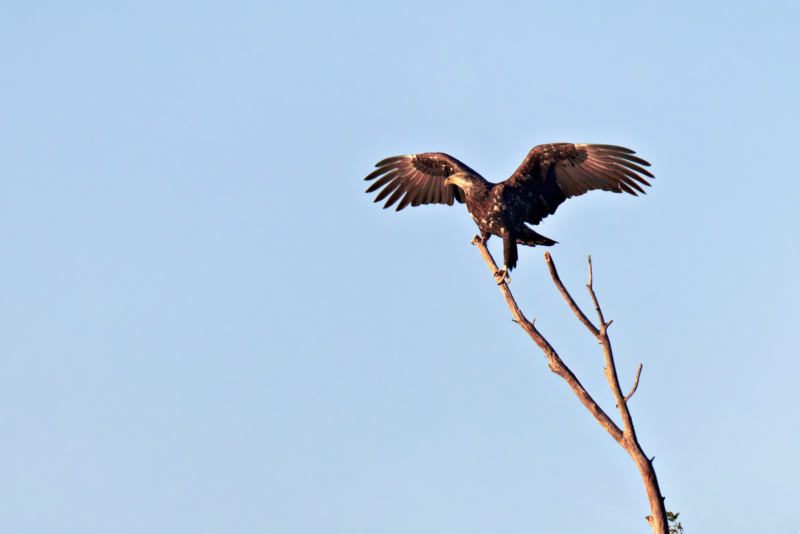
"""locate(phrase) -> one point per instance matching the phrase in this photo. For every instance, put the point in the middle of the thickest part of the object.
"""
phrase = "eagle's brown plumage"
(549, 175)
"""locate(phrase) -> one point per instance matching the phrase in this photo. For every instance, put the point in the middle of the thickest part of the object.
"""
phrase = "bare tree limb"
(625, 437)
(635, 384)
(554, 274)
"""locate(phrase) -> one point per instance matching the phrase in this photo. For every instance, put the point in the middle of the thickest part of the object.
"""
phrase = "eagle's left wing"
(418, 179)
(555, 172)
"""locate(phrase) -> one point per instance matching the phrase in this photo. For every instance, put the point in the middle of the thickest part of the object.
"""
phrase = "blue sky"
(206, 326)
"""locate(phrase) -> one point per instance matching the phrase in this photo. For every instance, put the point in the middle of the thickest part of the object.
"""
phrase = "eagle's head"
(466, 181)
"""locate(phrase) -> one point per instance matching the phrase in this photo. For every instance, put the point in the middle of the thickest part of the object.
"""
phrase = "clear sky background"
(206, 326)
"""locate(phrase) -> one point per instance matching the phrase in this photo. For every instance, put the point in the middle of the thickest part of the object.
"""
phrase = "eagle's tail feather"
(531, 238)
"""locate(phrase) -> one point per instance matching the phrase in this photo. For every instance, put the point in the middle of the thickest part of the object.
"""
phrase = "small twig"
(635, 384)
(594, 298)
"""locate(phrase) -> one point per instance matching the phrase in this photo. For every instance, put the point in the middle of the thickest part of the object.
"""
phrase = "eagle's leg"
(509, 259)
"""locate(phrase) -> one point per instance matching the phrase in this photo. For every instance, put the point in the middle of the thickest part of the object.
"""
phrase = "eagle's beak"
(448, 181)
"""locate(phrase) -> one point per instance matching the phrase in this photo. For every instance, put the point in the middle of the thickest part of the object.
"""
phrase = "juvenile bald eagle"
(549, 175)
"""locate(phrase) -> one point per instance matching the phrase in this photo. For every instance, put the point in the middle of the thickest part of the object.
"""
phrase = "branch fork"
(626, 436)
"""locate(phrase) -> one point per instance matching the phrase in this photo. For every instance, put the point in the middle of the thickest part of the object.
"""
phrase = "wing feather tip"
(389, 161)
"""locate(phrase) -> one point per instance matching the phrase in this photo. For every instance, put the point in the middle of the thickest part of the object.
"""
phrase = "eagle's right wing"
(420, 177)
(555, 172)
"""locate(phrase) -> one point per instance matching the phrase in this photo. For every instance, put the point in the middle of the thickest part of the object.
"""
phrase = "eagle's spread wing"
(553, 173)
(420, 177)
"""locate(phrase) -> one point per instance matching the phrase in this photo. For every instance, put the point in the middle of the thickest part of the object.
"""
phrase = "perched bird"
(549, 175)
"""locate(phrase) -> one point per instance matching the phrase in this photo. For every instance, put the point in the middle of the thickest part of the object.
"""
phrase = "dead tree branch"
(626, 436)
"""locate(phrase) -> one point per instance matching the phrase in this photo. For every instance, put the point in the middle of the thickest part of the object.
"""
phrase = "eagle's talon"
(502, 276)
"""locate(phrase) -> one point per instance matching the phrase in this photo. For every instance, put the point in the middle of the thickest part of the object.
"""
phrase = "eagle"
(549, 175)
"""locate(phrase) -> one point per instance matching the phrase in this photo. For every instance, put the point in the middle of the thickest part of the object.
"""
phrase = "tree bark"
(626, 436)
